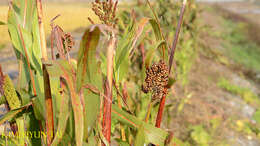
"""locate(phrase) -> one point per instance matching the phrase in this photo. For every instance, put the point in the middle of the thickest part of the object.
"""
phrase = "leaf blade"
(154, 135)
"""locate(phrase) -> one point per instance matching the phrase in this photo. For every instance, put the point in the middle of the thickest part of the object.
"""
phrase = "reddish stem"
(162, 102)
(174, 44)
(106, 129)
(160, 111)
(107, 114)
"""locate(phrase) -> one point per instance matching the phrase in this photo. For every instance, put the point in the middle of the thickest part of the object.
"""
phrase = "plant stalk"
(41, 29)
(106, 129)
(148, 112)
(160, 111)
(174, 43)
(162, 102)
(47, 87)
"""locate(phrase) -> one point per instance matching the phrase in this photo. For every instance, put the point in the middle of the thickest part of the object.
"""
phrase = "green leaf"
(121, 142)
(67, 71)
(153, 135)
(131, 38)
(32, 124)
(156, 29)
(89, 72)
(61, 104)
(23, 24)
(140, 137)
(151, 51)
(13, 113)
(5, 140)
(20, 124)
(87, 62)
(256, 116)
(27, 20)
(63, 116)
(39, 102)
(159, 37)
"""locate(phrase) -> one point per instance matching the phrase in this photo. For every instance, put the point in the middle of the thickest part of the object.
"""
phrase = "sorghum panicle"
(156, 80)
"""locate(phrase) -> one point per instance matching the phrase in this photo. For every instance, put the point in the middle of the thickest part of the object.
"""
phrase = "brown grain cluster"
(156, 80)
(106, 11)
(68, 41)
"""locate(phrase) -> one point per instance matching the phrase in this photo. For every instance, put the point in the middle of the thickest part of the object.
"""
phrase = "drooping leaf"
(159, 37)
(153, 135)
(66, 72)
(132, 37)
(13, 113)
(87, 64)
(89, 72)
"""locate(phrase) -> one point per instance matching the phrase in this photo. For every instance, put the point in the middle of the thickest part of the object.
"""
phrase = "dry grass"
(73, 16)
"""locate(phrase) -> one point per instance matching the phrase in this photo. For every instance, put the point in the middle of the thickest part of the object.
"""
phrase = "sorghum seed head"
(156, 80)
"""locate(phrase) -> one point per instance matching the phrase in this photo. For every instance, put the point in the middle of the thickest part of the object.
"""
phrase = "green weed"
(246, 94)
(200, 135)
(256, 116)
(238, 45)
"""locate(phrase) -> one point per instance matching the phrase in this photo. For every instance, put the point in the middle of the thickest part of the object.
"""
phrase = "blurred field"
(3, 28)
(73, 16)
